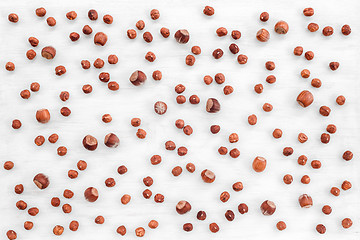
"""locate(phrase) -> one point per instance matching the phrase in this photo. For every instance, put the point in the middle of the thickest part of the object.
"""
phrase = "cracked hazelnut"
(160, 107)
(182, 36)
(138, 78)
(212, 105)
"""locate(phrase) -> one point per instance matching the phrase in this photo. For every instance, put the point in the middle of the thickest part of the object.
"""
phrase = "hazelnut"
(74, 225)
(229, 215)
(51, 21)
(221, 32)
(41, 181)
(188, 130)
(190, 167)
(121, 230)
(222, 150)
(305, 179)
(263, 35)
(340, 100)
(234, 49)
(74, 36)
(258, 88)
(11, 234)
(298, 51)
(165, 32)
(215, 129)
(30, 54)
(9, 66)
(160, 107)
(61, 151)
(108, 19)
(113, 59)
(150, 56)
(325, 111)
(81, 165)
(113, 86)
(302, 138)
(25, 94)
(170, 145)
(233, 138)
(242, 59)
(190, 60)
(93, 15)
(85, 64)
(315, 164)
(214, 228)
(331, 128)
(39, 140)
(267, 107)
(287, 151)
(100, 39)
(224, 196)
(328, 31)
(106, 118)
(183, 207)
(313, 27)
(140, 24)
(208, 80)
(64, 96)
(182, 36)
(302, 160)
(268, 208)
(153, 224)
(264, 16)
(212, 105)
(252, 119)
(125, 199)
(90, 142)
(346, 185)
(320, 228)
(135, 122)
(196, 50)
(305, 98)
(187, 227)
(21, 205)
(111, 140)
(48, 52)
(201, 215)
(154, 14)
(19, 189)
(269, 65)
(281, 225)
(122, 170)
(99, 220)
(87, 30)
(182, 151)
(235, 34)
(308, 12)
(208, 176)
(335, 191)
(228, 90)
(334, 65)
(243, 208)
(271, 79)
(71, 15)
(346, 30)
(35, 87)
(305, 201)
(58, 230)
(147, 193)
(209, 11)
(40, 12)
(179, 88)
(16, 124)
(55, 201)
(60, 70)
(68, 193)
(157, 75)
(218, 53)
(305, 73)
(8, 165)
(73, 174)
(326, 209)
(140, 232)
(138, 78)
(325, 138)
(159, 198)
(91, 194)
(281, 27)
(219, 78)
(28, 225)
(147, 36)
(237, 187)
(259, 164)
(309, 55)
(288, 179)
(316, 83)
(346, 223)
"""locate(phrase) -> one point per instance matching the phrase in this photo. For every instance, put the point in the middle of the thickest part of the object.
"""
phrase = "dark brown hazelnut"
(48, 52)
(91, 194)
(93, 15)
(41, 181)
(122, 170)
(252, 119)
(14, 18)
(209, 11)
(196, 50)
(140, 24)
(35, 87)
(160, 107)
(334, 65)
(111, 140)
(71, 15)
(234, 49)
(242, 59)
(217, 53)
(325, 111)
(309, 55)
(212, 105)
(305, 201)
(55, 201)
(208, 80)
(25, 94)
(154, 14)
(60, 70)
(325, 138)
(138, 78)
(190, 167)
(287, 151)
(147, 36)
(21, 205)
(208, 176)
(64, 96)
(74, 36)
(113, 59)
(320, 228)
(305, 98)
(190, 60)
(65, 111)
(243, 208)
(182, 36)
(259, 164)
(308, 12)
(229, 215)
(9, 66)
(40, 12)
(346, 30)
(90, 142)
(108, 19)
(100, 39)
(281, 27)
(74, 225)
(326, 209)
(201, 215)
(263, 35)
(298, 51)
(328, 31)
(19, 189)
(221, 32)
(235, 34)
(288, 179)
(33, 41)
(85, 64)
(121, 230)
(39, 140)
(51, 21)
(268, 208)
(269, 65)
(224, 196)
(16, 124)
(264, 16)
(104, 77)
(214, 228)
(277, 133)
(87, 30)
(58, 230)
(214, 129)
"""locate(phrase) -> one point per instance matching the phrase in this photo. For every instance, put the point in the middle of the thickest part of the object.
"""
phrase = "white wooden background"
(130, 101)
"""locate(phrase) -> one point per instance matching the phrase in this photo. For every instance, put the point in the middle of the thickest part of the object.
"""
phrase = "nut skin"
(264, 16)
(218, 53)
(308, 12)
(48, 52)
(313, 27)
(281, 27)
(183, 207)
(40, 12)
(121, 230)
(346, 223)
(346, 185)
(214, 228)
(281, 225)
(93, 15)
(326, 209)
(305, 98)
(212, 105)
(305, 201)
(182, 36)
(41, 181)
(165, 32)
(208, 11)
(320, 228)
(58, 230)
(90, 142)
(346, 30)
(138, 78)
(268, 208)
(259, 164)
(328, 31)
(87, 30)
(91, 194)
(208, 176)
(100, 39)
(263, 35)
(243, 208)
(160, 107)
(111, 140)
(140, 24)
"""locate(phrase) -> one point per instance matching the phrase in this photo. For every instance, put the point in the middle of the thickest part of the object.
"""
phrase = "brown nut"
(8, 165)
(219, 78)
(346, 223)
(51, 21)
(179, 88)
(325, 111)
(67, 208)
(214, 228)
(302, 138)
(302, 160)
(252, 119)
(234, 49)
(308, 12)
(40, 12)
(267, 107)
(281, 27)
(258, 88)
(21, 205)
(288, 179)
(71, 15)
(150, 56)
(238, 186)
(147, 36)
(140, 232)
(125, 199)
(218, 53)
(122, 170)
(229, 215)
(159, 198)
(48, 52)
(106, 118)
(264, 16)
(346, 30)
(212, 105)
(113, 86)
(74, 36)
(316, 164)
(340, 100)
(170, 145)
(190, 167)
(326, 209)
(346, 185)
(157, 75)
(335, 191)
(208, 176)
(41, 181)
(111, 140)
(113, 59)
(121, 230)
(242, 59)
(263, 35)
(259, 164)
(85, 64)
(269, 65)
(16, 124)
(108, 19)
(208, 80)
(305, 201)
(325, 138)
(138, 78)
(99, 220)
(331, 128)
(221, 32)
(165, 32)
(154, 14)
(25, 94)
(209, 11)
(19, 189)
(201, 215)
(30, 54)
(243, 208)
(55, 201)
(224, 196)
(9, 66)
(190, 60)
(328, 31)
(100, 39)
(305, 98)
(140, 25)
(153, 224)
(316, 83)
(196, 50)
(305, 73)
(35, 87)
(60, 70)
(183, 207)
(313, 27)
(28, 225)
(58, 230)
(268, 208)
(74, 226)
(182, 36)
(87, 30)
(91, 194)
(305, 179)
(187, 227)
(320, 228)
(281, 225)
(298, 51)
(160, 107)
(39, 140)
(90, 142)
(92, 14)
(73, 174)
(309, 55)
(287, 151)
(233, 138)
(334, 65)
